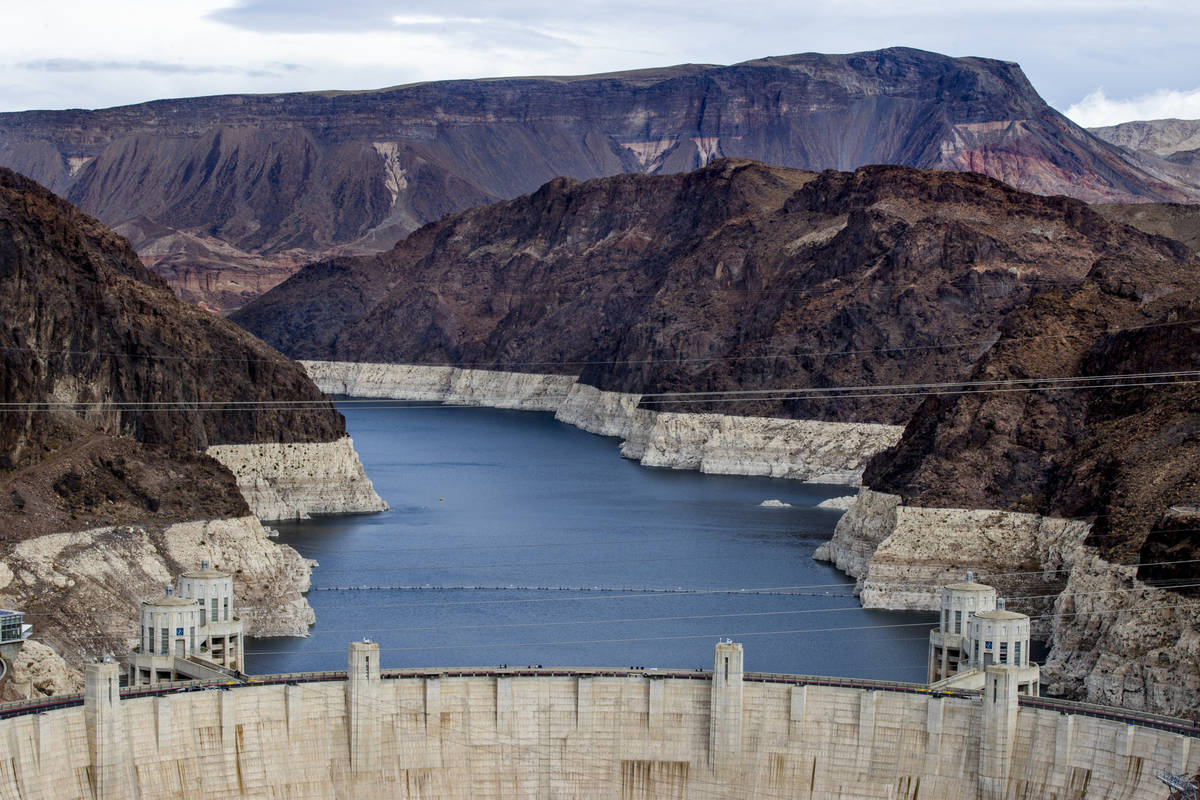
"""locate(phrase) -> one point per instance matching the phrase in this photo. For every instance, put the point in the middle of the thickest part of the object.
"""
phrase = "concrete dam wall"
(577, 734)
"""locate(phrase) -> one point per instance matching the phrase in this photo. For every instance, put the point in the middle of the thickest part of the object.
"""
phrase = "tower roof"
(169, 600)
(970, 587)
(999, 615)
(206, 573)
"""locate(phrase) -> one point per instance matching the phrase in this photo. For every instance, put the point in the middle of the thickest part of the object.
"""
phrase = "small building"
(976, 631)
(221, 629)
(167, 634)
(13, 633)
(948, 648)
(190, 633)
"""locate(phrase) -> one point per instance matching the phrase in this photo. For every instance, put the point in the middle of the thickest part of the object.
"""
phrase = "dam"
(542, 734)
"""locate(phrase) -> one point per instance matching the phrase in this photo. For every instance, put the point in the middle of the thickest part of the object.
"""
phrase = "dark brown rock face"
(744, 277)
(245, 183)
(115, 383)
(734, 277)
(1173, 220)
(1126, 455)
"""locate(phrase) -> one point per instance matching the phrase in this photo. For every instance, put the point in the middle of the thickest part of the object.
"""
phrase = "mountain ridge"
(656, 284)
(243, 184)
(105, 369)
(946, 302)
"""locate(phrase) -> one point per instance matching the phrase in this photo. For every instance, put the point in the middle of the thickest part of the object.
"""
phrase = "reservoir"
(516, 539)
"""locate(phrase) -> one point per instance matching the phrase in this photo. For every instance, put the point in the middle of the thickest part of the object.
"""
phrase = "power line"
(686, 636)
(1114, 381)
(985, 341)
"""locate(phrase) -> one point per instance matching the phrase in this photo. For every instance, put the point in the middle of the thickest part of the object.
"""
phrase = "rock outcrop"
(38, 671)
(1114, 639)
(1119, 641)
(112, 390)
(294, 480)
(821, 452)
(902, 555)
(82, 589)
(221, 194)
(808, 450)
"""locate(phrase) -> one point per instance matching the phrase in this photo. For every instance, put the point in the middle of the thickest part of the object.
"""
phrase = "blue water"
(515, 539)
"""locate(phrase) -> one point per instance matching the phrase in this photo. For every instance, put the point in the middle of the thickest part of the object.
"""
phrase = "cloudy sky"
(1099, 61)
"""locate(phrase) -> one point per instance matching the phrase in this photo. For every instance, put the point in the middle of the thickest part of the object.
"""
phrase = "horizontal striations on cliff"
(1125, 454)
(228, 195)
(123, 408)
(737, 276)
(114, 387)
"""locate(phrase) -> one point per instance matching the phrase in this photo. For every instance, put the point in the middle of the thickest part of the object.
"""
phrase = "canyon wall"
(824, 452)
(295, 480)
(1114, 639)
(83, 588)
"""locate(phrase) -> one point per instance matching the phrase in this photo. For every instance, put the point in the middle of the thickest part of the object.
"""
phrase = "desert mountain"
(743, 277)
(1168, 145)
(99, 355)
(740, 277)
(112, 390)
(1176, 140)
(228, 195)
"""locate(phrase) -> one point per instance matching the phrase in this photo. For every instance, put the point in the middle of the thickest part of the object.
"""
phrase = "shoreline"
(724, 444)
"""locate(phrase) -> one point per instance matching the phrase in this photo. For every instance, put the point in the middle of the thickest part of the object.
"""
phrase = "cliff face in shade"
(85, 323)
(214, 189)
(734, 277)
(112, 390)
(1126, 456)
(118, 387)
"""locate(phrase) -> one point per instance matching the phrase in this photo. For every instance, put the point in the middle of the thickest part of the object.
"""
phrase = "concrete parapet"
(504, 735)
(108, 749)
(998, 730)
(363, 708)
(725, 718)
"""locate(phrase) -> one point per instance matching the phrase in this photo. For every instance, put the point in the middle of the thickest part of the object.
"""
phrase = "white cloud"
(1098, 109)
(143, 49)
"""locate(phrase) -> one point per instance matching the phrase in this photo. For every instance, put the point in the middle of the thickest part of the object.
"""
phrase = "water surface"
(515, 539)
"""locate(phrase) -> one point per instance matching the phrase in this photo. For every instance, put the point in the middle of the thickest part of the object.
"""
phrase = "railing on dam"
(1139, 718)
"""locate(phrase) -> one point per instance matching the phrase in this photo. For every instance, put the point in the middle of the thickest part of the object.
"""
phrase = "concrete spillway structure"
(542, 734)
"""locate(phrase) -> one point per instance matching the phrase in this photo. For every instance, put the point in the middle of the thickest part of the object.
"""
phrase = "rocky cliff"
(1120, 454)
(765, 287)
(994, 321)
(225, 194)
(112, 390)
(822, 452)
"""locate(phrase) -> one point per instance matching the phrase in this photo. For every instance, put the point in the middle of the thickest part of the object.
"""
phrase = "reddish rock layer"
(287, 177)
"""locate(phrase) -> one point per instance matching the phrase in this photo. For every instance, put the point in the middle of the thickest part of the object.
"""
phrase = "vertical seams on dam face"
(559, 734)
